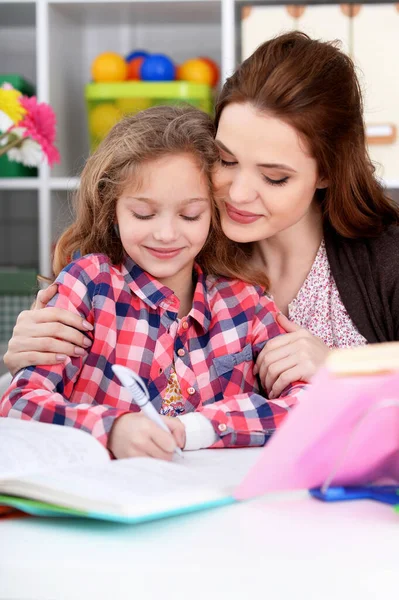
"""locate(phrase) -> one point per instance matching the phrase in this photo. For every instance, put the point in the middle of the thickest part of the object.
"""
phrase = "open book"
(51, 470)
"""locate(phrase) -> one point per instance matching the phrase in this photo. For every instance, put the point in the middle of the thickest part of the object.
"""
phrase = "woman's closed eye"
(271, 181)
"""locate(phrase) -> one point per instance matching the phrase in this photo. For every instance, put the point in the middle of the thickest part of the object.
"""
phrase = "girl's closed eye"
(227, 163)
(142, 217)
(191, 217)
(147, 217)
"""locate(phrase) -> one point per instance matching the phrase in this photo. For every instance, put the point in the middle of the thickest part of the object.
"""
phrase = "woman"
(297, 192)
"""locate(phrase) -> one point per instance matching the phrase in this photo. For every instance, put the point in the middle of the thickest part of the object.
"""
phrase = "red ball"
(133, 68)
(214, 67)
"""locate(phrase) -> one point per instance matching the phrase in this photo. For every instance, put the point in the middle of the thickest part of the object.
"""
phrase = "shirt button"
(191, 391)
(184, 325)
(222, 427)
(181, 352)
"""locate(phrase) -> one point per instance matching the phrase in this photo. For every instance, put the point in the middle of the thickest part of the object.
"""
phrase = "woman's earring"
(116, 229)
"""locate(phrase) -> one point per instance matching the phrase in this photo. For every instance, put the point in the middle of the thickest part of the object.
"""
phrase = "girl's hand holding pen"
(140, 396)
(134, 434)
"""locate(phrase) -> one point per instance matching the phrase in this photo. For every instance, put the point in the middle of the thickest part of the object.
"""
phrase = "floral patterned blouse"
(318, 307)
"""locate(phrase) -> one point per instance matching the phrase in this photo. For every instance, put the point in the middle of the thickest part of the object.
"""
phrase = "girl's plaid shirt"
(212, 350)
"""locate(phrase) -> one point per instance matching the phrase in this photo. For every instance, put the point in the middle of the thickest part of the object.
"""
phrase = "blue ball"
(136, 54)
(157, 67)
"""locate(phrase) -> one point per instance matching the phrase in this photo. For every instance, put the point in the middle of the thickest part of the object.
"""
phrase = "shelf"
(68, 184)
(162, 12)
(52, 43)
(80, 31)
(19, 183)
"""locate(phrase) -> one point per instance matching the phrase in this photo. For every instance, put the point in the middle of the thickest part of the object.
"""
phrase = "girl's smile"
(164, 253)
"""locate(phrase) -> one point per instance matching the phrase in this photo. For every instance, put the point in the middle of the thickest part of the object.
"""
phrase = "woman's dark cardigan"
(366, 273)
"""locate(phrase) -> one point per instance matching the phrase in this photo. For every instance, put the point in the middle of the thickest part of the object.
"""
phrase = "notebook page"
(136, 487)
(224, 467)
(29, 447)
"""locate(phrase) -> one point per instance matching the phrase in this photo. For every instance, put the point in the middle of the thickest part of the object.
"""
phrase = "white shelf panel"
(126, 12)
(69, 184)
(19, 183)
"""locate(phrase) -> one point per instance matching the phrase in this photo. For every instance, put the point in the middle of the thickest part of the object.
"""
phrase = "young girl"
(152, 301)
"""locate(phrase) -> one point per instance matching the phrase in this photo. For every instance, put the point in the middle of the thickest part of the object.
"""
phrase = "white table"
(289, 547)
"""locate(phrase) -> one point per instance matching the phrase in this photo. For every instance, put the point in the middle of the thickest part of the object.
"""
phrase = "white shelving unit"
(52, 44)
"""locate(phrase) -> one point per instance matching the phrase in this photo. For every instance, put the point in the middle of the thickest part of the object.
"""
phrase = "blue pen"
(138, 390)
(387, 494)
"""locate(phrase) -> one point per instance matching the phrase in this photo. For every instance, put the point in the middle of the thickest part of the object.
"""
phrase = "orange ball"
(109, 66)
(196, 70)
(133, 68)
(214, 67)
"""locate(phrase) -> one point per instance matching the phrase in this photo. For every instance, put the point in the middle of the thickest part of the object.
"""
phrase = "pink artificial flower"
(39, 123)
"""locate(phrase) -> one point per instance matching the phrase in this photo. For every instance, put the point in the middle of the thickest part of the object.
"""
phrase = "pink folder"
(345, 431)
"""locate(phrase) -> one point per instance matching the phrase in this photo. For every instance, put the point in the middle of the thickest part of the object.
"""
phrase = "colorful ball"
(215, 69)
(134, 68)
(196, 70)
(136, 54)
(132, 105)
(102, 118)
(158, 67)
(109, 66)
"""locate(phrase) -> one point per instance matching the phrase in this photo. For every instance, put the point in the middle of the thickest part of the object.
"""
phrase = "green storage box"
(9, 168)
(18, 289)
(19, 83)
(109, 102)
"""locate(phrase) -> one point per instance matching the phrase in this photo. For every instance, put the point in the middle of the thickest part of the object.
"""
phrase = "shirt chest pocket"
(235, 372)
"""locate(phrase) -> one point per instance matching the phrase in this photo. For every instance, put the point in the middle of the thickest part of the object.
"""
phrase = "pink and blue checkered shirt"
(212, 351)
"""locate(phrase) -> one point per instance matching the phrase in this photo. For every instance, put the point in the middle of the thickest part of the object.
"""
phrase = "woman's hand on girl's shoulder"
(295, 356)
(46, 337)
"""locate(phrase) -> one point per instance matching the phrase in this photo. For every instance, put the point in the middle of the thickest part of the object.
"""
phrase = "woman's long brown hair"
(313, 86)
(143, 137)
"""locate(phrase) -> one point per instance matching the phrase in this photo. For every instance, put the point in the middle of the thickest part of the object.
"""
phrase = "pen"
(388, 494)
(136, 386)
